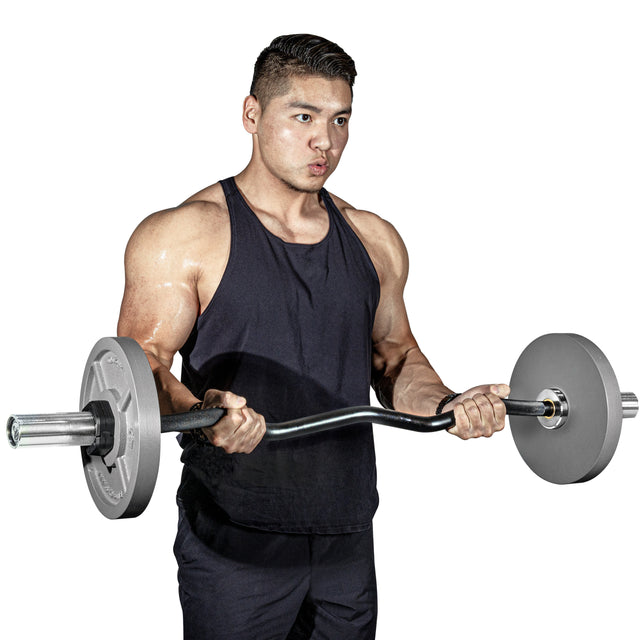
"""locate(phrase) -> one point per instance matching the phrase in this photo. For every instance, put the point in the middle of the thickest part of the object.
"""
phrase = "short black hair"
(298, 55)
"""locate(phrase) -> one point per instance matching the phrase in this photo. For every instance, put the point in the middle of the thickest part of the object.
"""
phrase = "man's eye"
(340, 121)
(303, 117)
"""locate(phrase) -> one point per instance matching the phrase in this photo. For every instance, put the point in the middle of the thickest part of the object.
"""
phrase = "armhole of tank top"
(227, 269)
(338, 214)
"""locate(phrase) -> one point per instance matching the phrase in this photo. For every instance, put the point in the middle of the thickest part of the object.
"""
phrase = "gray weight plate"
(582, 448)
(121, 483)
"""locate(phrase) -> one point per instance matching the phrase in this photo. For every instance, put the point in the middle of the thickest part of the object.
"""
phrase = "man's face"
(302, 134)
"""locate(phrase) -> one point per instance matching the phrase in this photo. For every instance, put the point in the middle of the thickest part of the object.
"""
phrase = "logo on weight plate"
(115, 361)
(107, 489)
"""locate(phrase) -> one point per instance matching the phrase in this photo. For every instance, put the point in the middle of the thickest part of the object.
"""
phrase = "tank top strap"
(235, 201)
(229, 187)
(338, 221)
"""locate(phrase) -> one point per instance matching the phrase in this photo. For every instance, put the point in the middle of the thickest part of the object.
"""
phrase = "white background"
(501, 138)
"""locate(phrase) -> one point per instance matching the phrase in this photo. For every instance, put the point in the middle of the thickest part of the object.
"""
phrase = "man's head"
(299, 109)
(298, 55)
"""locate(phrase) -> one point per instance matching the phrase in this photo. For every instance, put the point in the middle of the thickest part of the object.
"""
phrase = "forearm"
(410, 385)
(173, 396)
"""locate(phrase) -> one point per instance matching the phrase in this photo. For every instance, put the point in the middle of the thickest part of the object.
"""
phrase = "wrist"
(198, 434)
(448, 398)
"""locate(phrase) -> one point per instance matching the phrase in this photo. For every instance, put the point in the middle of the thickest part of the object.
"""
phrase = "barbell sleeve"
(630, 404)
(76, 429)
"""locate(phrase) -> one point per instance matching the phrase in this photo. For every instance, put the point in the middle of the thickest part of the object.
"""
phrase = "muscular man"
(283, 300)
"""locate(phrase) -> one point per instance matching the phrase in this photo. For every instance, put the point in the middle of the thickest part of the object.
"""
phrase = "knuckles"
(239, 432)
(225, 399)
(479, 416)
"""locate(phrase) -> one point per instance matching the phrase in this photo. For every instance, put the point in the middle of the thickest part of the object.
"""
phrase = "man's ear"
(250, 114)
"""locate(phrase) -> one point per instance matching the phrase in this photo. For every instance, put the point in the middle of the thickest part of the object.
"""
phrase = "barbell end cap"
(630, 404)
(13, 432)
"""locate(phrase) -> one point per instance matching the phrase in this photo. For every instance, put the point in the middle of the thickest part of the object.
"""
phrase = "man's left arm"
(403, 378)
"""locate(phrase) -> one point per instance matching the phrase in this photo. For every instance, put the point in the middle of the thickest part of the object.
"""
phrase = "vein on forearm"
(408, 382)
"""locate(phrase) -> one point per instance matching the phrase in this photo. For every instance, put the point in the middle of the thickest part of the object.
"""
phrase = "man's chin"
(302, 188)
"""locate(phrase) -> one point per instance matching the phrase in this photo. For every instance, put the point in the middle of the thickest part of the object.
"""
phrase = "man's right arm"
(160, 303)
(172, 267)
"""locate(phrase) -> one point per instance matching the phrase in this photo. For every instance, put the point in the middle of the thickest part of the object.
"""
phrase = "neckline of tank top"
(326, 198)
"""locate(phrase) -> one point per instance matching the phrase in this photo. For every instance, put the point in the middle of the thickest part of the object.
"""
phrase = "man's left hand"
(479, 411)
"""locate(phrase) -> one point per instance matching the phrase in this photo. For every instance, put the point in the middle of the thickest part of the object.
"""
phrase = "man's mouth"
(319, 168)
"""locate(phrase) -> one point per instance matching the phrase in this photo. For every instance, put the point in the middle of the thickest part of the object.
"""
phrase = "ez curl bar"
(568, 434)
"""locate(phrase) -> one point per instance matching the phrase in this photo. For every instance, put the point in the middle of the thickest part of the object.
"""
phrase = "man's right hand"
(240, 430)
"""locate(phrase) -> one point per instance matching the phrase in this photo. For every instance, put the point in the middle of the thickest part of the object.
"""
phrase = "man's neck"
(292, 215)
(265, 192)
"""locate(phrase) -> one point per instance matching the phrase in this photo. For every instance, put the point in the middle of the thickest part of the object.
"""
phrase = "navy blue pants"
(243, 584)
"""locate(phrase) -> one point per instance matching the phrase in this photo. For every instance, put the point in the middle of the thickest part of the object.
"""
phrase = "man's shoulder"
(185, 227)
(209, 198)
(194, 215)
(201, 209)
(368, 225)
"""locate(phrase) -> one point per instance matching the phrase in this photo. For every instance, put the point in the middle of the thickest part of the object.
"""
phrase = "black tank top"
(289, 328)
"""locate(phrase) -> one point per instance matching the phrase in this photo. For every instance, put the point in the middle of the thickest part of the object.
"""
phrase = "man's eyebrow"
(304, 106)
